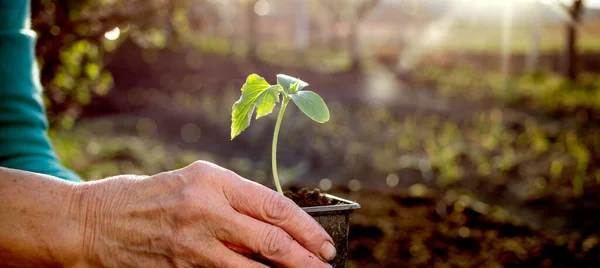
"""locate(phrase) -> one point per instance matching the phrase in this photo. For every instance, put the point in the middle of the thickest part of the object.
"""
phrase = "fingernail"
(327, 251)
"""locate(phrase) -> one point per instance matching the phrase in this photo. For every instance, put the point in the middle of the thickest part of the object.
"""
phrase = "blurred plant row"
(492, 148)
(542, 92)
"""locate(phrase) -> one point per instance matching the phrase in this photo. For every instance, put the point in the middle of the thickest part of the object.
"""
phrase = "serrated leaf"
(312, 105)
(286, 82)
(266, 101)
(256, 93)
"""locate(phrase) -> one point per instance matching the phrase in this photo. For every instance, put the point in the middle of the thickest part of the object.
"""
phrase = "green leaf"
(312, 105)
(294, 87)
(286, 82)
(265, 102)
(256, 93)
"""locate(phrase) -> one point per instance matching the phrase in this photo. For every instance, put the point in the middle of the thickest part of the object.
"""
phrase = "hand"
(193, 217)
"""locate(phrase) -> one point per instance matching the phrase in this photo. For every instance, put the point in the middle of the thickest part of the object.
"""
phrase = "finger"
(267, 240)
(260, 202)
(221, 256)
(266, 205)
(239, 249)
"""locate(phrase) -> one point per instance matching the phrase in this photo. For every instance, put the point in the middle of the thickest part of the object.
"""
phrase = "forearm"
(38, 226)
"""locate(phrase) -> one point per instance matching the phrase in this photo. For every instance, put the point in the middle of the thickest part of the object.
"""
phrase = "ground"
(403, 230)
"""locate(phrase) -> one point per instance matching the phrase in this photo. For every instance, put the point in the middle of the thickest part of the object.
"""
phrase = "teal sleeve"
(24, 143)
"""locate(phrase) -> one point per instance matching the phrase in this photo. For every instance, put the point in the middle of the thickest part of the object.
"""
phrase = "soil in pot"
(309, 198)
(335, 222)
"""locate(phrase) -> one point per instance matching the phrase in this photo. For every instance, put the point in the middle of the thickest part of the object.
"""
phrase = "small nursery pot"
(335, 219)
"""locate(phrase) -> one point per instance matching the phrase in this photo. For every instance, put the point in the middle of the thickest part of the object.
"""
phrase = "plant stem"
(286, 99)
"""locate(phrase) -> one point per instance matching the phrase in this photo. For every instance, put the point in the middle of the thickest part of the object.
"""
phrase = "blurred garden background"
(469, 131)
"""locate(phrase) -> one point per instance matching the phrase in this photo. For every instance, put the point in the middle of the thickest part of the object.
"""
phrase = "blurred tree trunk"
(354, 44)
(171, 32)
(302, 33)
(334, 42)
(575, 11)
(533, 57)
(507, 25)
(362, 10)
(359, 9)
(252, 29)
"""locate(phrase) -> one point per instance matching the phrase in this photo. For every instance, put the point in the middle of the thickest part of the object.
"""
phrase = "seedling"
(258, 94)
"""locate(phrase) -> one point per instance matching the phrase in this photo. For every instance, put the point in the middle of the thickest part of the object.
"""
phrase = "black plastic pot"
(335, 219)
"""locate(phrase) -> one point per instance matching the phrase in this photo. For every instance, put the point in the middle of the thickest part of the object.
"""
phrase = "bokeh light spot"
(190, 133)
(325, 184)
(262, 7)
(354, 185)
(93, 148)
(49, 7)
(417, 190)
(459, 206)
(55, 30)
(113, 34)
(392, 180)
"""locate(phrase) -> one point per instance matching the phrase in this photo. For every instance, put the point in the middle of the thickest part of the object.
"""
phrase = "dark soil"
(399, 230)
(431, 230)
(309, 198)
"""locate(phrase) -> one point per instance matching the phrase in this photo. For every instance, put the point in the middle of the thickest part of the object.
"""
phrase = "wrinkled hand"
(194, 217)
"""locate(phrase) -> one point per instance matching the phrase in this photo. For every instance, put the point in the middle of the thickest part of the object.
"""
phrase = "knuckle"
(275, 208)
(208, 172)
(275, 243)
(199, 166)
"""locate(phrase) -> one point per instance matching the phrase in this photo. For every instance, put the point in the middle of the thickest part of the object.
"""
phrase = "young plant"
(258, 94)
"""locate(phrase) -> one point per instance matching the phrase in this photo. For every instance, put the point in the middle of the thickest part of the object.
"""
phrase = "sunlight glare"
(262, 7)
(113, 34)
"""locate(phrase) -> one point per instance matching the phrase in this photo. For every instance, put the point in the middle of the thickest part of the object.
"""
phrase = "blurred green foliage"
(71, 47)
(73, 51)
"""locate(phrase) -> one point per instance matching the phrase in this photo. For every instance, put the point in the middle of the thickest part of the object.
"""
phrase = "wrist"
(92, 210)
(85, 203)
(66, 246)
